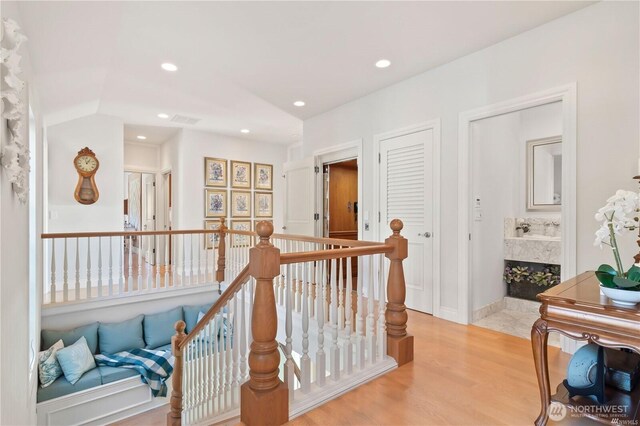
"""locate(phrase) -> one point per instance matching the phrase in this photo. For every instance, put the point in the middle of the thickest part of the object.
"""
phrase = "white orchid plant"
(619, 215)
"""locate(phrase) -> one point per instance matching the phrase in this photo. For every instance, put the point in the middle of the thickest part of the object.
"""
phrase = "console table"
(576, 309)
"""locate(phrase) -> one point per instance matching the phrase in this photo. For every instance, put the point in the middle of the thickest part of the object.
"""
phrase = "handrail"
(308, 239)
(240, 280)
(45, 236)
(307, 256)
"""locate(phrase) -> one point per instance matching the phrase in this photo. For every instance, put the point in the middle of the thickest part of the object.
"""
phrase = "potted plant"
(525, 282)
(619, 215)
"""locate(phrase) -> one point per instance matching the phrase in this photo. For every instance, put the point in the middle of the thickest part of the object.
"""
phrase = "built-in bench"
(98, 396)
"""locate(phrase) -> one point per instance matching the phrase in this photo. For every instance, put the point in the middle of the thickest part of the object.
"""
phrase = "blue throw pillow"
(158, 328)
(191, 315)
(48, 366)
(121, 336)
(69, 337)
(75, 360)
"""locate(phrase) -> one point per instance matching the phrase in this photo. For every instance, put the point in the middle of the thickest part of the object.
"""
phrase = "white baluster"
(121, 271)
(382, 332)
(88, 268)
(99, 267)
(243, 334)
(348, 346)
(184, 264)
(191, 282)
(199, 251)
(305, 361)
(110, 266)
(147, 258)
(140, 262)
(130, 278)
(52, 288)
(289, 371)
(227, 353)
(359, 337)
(371, 338)
(156, 259)
(320, 355)
(334, 353)
(223, 361)
(206, 258)
(65, 274)
(167, 243)
(174, 261)
(299, 278)
(341, 295)
(235, 386)
(77, 284)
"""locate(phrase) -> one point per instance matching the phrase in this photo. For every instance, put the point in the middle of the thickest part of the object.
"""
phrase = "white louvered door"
(406, 193)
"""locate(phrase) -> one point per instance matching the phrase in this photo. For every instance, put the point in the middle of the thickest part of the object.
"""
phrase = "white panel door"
(406, 193)
(300, 198)
(149, 214)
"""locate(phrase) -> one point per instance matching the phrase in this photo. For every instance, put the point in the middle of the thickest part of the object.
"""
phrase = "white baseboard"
(448, 314)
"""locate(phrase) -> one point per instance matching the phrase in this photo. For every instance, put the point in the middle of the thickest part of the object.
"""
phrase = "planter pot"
(525, 290)
(621, 297)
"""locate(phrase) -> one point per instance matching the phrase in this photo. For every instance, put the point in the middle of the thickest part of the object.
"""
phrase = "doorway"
(140, 211)
(564, 96)
(340, 200)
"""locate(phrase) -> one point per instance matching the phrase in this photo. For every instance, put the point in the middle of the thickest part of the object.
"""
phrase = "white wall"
(17, 388)
(186, 159)
(104, 136)
(597, 47)
(141, 157)
(495, 148)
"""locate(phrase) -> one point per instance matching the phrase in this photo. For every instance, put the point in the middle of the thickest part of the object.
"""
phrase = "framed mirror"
(544, 174)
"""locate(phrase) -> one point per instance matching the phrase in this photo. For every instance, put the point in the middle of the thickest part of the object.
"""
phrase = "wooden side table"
(576, 309)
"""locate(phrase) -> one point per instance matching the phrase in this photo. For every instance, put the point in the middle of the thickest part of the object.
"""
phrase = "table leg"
(539, 337)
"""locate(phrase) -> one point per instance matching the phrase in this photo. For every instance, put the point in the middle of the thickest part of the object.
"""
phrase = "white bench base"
(100, 405)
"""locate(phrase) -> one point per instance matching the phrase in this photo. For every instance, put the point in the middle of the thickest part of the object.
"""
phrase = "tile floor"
(516, 319)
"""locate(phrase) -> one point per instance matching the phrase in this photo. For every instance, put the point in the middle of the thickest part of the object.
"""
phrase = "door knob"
(426, 235)
(284, 227)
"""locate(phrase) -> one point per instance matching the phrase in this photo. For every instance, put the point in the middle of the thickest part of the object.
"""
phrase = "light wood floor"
(461, 375)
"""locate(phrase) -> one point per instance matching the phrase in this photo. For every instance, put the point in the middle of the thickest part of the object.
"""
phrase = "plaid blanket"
(154, 366)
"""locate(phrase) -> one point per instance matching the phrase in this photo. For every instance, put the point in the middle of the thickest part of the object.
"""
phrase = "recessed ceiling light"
(383, 63)
(299, 103)
(163, 115)
(141, 137)
(245, 131)
(168, 66)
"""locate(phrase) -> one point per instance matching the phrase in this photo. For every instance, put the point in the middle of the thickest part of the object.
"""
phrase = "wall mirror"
(544, 174)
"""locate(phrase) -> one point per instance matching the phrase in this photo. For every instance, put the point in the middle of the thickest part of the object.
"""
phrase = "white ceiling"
(243, 64)
(156, 135)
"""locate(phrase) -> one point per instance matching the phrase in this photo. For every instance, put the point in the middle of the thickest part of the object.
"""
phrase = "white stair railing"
(116, 264)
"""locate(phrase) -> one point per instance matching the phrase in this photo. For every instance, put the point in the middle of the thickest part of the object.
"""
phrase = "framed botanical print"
(263, 174)
(211, 240)
(240, 240)
(240, 174)
(215, 172)
(240, 204)
(263, 204)
(215, 203)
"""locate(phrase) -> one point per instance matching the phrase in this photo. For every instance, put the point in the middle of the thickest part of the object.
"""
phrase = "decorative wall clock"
(86, 165)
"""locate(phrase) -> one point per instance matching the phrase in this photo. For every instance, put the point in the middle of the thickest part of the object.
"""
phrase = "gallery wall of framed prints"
(239, 190)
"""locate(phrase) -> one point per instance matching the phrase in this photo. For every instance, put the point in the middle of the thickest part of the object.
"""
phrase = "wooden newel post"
(174, 417)
(264, 399)
(221, 252)
(399, 343)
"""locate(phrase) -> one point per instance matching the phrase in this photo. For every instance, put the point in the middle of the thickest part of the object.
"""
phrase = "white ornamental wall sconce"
(14, 153)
